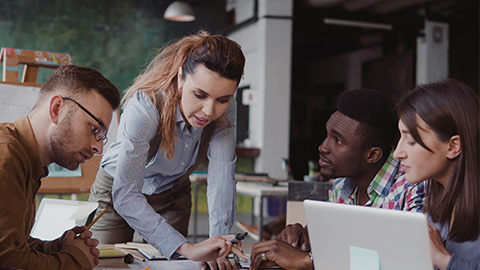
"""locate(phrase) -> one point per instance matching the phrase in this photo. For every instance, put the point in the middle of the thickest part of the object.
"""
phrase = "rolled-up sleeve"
(221, 189)
(140, 124)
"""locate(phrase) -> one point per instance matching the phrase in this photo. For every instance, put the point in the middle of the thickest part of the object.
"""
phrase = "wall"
(345, 68)
(118, 38)
(432, 53)
(267, 46)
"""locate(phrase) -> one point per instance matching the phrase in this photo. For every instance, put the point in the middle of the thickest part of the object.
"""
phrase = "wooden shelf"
(247, 152)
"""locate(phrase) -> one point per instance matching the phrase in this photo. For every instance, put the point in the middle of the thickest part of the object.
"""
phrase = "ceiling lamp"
(179, 11)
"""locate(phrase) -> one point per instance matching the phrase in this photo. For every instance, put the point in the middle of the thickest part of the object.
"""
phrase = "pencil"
(146, 268)
(95, 220)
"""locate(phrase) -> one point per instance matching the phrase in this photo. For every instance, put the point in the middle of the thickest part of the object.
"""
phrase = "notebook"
(55, 216)
(147, 250)
(110, 253)
(350, 237)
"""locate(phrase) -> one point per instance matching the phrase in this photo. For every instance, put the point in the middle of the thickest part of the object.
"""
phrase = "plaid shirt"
(389, 189)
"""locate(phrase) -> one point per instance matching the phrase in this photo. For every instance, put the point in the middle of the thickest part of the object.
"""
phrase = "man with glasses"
(101, 131)
(68, 125)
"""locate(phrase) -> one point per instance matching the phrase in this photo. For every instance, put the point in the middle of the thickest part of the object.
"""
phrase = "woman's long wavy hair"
(450, 108)
(217, 53)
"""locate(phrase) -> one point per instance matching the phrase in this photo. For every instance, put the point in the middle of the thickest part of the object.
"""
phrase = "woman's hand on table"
(212, 252)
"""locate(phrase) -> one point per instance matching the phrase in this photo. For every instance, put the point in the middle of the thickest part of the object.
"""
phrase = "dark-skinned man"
(358, 152)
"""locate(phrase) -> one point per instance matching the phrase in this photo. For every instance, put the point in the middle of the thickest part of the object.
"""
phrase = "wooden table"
(261, 191)
(117, 263)
(250, 185)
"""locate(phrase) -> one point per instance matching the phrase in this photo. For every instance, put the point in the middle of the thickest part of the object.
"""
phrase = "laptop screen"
(345, 237)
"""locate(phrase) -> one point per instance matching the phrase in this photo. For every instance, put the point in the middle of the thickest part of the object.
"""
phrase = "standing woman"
(439, 125)
(177, 112)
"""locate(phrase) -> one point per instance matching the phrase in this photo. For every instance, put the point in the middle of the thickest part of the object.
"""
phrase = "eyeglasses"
(101, 132)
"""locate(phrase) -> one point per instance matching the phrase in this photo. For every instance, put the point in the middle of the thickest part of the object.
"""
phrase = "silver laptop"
(55, 216)
(347, 237)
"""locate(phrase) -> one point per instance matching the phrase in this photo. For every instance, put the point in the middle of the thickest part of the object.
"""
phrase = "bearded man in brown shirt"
(67, 125)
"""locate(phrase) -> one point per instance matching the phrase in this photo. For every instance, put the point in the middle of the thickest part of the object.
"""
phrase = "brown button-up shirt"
(21, 171)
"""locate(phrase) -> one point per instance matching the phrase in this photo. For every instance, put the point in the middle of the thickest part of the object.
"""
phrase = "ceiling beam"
(360, 4)
(323, 3)
(395, 5)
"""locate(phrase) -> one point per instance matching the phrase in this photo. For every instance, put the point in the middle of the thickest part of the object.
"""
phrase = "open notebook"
(146, 250)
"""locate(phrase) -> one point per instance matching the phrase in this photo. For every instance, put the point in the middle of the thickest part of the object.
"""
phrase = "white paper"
(162, 265)
(53, 222)
(83, 210)
(54, 217)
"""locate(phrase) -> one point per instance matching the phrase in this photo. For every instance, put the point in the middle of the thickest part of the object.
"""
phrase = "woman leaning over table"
(439, 126)
(186, 95)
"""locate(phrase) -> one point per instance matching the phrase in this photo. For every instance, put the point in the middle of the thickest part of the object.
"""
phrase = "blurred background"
(301, 54)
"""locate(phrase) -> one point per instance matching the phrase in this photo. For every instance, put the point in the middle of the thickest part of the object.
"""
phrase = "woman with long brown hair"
(439, 126)
(179, 111)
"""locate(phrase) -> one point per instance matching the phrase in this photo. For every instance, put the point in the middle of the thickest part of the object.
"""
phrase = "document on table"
(162, 265)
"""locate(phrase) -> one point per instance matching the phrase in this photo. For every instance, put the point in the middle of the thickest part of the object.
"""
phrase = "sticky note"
(364, 259)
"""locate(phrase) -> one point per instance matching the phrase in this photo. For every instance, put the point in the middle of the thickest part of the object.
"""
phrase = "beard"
(61, 142)
(332, 173)
(328, 175)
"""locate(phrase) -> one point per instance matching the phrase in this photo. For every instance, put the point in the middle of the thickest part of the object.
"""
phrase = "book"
(147, 250)
(152, 254)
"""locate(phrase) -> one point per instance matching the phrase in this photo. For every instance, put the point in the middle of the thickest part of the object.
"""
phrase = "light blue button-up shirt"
(125, 159)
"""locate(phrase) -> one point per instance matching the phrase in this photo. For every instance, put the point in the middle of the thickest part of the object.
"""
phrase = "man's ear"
(56, 103)
(373, 154)
(454, 147)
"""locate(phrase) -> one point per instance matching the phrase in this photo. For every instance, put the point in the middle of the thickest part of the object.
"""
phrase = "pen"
(238, 237)
(95, 220)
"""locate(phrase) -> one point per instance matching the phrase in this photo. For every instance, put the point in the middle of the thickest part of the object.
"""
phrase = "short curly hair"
(375, 112)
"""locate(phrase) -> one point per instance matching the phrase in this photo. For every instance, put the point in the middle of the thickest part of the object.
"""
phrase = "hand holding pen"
(238, 237)
(227, 244)
(95, 220)
(86, 234)
(89, 244)
(79, 237)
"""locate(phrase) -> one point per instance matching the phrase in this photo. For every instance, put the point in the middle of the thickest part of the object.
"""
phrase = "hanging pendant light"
(179, 11)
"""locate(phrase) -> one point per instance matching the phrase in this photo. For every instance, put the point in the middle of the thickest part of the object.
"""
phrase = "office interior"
(301, 54)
